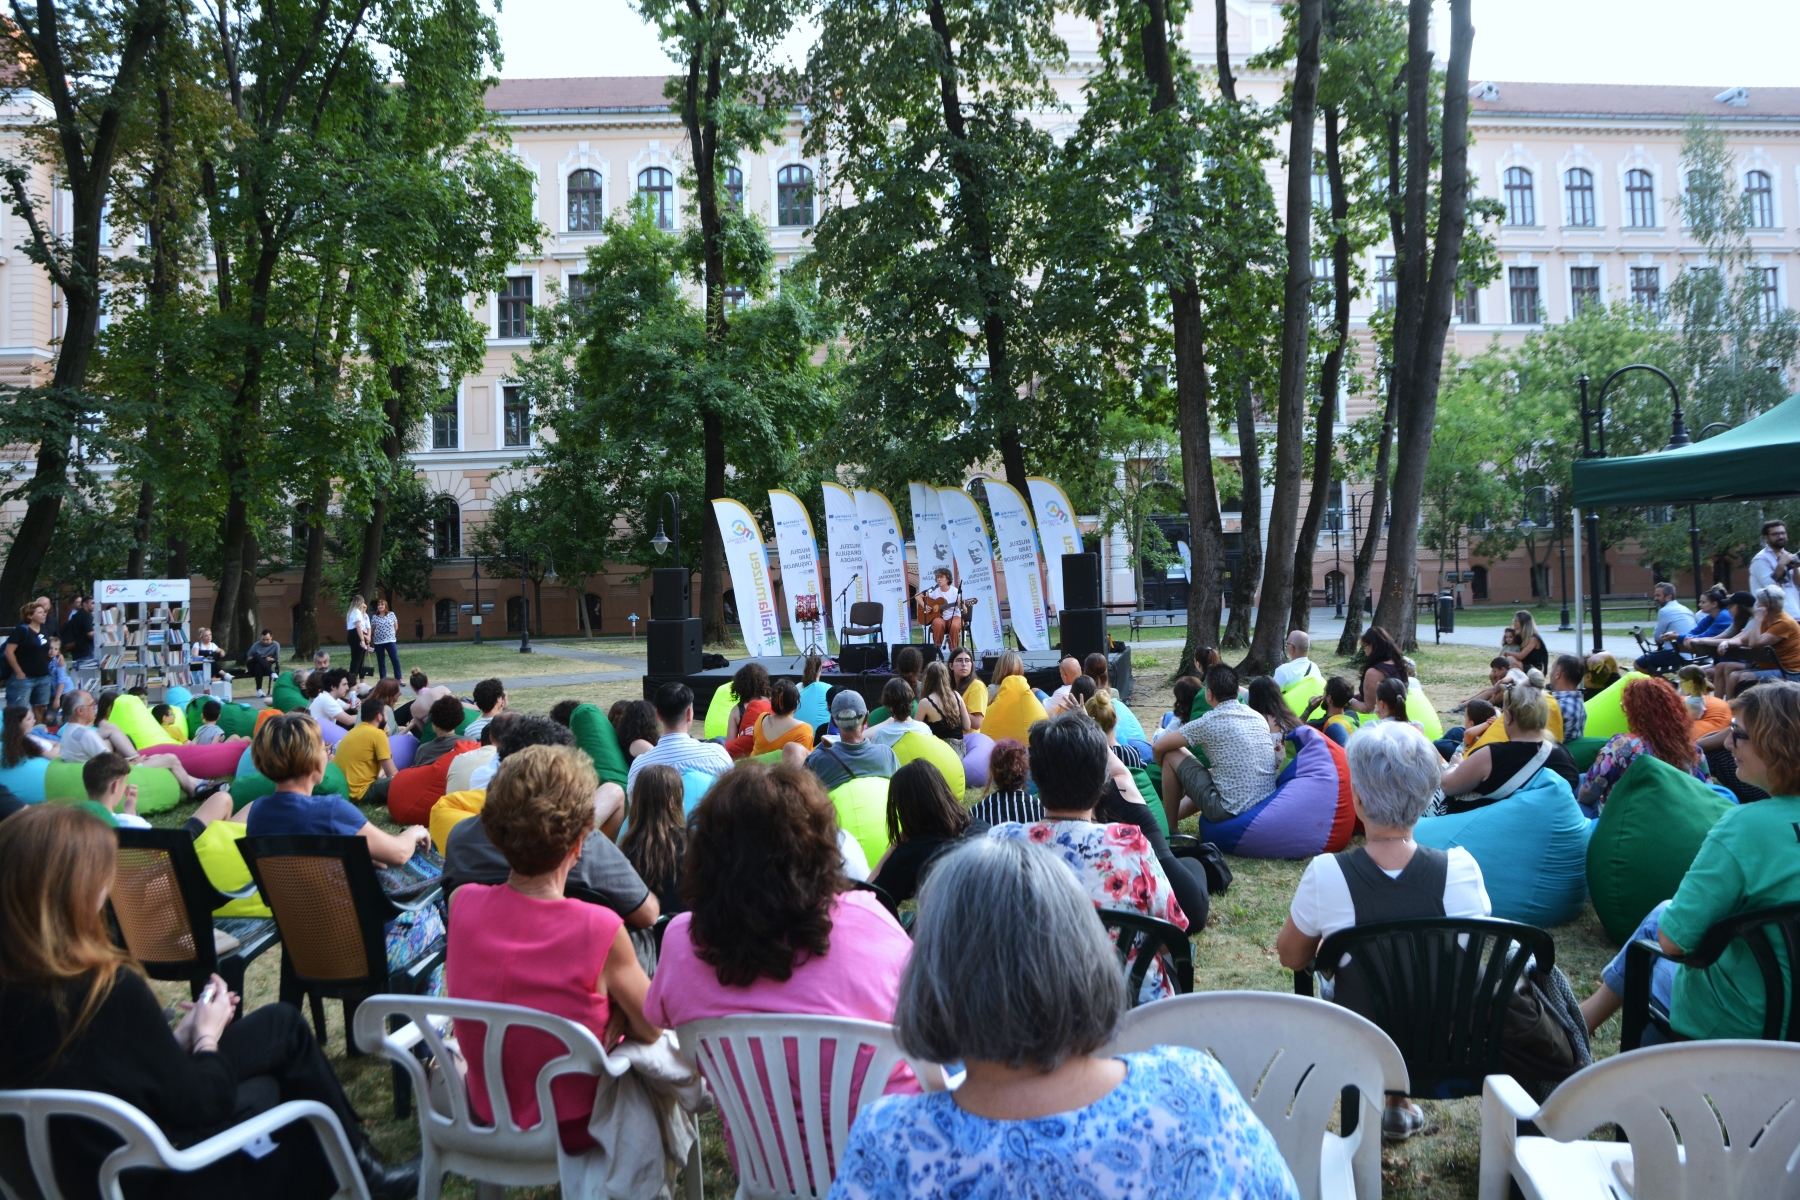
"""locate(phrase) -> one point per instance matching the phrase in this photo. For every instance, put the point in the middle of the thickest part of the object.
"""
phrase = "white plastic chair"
(1733, 1105)
(1291, 1057)
(782, 1153)
(500, 1155)
(146, 1146)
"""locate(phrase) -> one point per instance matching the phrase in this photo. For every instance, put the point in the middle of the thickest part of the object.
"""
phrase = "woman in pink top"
(522, 942)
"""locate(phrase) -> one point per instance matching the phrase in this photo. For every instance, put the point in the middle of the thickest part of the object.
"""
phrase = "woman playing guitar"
(940, 608)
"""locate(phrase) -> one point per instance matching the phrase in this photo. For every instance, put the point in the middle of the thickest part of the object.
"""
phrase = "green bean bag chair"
(256, 785)
(718, 711)
(1584, 750)
(134, 720)
(1645, 839)
(285, 697)
(877, 715)
(594, 734)
(1150, 788)
(939, 754)
(157, 789)
(237, 720)
(862, 813)
(470, 716)
(1605, 714)
(1532, 849)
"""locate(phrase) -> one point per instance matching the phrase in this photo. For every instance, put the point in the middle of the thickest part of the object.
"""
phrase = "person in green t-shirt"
(1750, 860)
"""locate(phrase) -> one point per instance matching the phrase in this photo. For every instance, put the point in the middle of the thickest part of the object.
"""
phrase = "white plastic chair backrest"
(1734, 1104)
(144, 1143)
(1290, 1057)
(781, 1152)
(459, 1130)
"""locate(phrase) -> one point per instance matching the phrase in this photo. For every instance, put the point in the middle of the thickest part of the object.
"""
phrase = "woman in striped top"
(384, 635)
(1009, 766)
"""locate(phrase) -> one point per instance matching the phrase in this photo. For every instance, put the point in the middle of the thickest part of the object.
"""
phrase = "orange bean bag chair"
(414, 790)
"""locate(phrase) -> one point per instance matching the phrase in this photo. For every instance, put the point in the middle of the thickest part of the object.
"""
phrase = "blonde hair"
(288, 747)
(1527, 627)
(1100, 707)
(1526, 704)
(1010, 662)
(540, 806)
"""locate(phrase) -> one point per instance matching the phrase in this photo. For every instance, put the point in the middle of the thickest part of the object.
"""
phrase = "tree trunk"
(140, 532)
(1330, 373)
(177, 567)
(1222, 50)
(312, 578)
(246, 418)
(241, 635)
(1296, 369)
(1365, 553)
(1419, 373)
(712, 543)
(1250, 559)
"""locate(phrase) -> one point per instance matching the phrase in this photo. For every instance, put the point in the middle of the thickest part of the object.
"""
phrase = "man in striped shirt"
(677, 748)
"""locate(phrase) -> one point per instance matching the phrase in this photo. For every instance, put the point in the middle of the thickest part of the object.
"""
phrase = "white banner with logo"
(1019, 558)
(799, 551)
(141, 591)
(975, 562)
(931, 534)
(843, 542)
(884, 563)
(749, 566)
(1056, 525)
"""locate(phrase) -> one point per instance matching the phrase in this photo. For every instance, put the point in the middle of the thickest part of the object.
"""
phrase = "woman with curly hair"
(751, 687)
(1656, 722)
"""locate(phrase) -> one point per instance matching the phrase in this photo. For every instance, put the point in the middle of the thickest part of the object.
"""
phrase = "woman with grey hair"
(1025, 1016)
(1774, 627)
(1394, 771)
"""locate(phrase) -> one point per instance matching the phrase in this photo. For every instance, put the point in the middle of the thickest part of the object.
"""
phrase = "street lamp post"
(1694, 523)
(661, 542)
(475, 620)
(1554, 497)
(1337, 561)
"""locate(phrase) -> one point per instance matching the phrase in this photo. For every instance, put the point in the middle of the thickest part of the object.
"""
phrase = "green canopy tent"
(1758, 460)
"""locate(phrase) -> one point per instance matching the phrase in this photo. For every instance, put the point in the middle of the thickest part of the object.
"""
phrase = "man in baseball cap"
(851, 755)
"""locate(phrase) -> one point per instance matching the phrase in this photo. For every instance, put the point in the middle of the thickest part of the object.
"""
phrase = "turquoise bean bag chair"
(177, 696)
(26, 779)
(1129, 729)
(1308, 813)
(1532, 848)
(862, 813)
(246, 762)
(978, 750)
(1645, 839)
(813, 708)
(694, 786)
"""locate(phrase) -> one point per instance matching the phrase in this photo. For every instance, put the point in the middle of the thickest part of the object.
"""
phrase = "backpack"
(1544, 1039)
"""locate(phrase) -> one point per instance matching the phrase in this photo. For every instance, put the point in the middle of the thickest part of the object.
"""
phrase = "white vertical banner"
(1056, 525)
(799, 552)
(975, 561)
(1019, 558)
(843, 542)
(884, 563)
(931, 533)
(749, 565)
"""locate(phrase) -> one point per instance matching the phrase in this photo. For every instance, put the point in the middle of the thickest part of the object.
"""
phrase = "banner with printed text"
(1019, 559)
(799, 553)
(1056, 526)
(843, 542)
(930, 533)
(884, 563)
(749, 566)
(975, 563)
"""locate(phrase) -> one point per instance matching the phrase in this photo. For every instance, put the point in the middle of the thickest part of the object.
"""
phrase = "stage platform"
(1040, 672)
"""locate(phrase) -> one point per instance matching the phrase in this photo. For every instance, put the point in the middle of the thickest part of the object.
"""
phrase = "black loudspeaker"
(1081, 581)
(674, 647)
(857, 657)
(1083, 631)
(669, 594)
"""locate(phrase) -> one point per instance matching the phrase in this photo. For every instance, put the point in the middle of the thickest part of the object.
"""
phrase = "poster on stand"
(975, 563)
(748, 563)
(798, 550)
(1019, 559)
(884, 564)
(843, 542)
(1056, 526)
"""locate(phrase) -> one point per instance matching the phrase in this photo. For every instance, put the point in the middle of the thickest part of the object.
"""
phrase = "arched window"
(585, 208)
(446, 529)
(1759, 200)
(734, 186)
(1521, 200)
(1578, 194)
(1640, 199)
(659, 186)
(444, 616)
(794, 196)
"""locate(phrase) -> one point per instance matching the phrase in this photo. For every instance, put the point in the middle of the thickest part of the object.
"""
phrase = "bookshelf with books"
(143, 643)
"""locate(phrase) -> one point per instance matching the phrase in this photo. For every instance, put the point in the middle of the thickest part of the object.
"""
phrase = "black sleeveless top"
(1537, 659)
(1418, 891)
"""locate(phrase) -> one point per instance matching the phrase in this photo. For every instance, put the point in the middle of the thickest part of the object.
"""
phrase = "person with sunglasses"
(1749, 860)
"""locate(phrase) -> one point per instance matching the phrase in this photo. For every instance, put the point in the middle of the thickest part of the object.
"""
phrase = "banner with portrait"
(884, 563)
(1019, 559)
(975, 563)
(843, 543)
(930, 534)
(748, 563)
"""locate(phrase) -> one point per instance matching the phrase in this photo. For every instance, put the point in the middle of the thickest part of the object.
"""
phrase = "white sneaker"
(259, 694)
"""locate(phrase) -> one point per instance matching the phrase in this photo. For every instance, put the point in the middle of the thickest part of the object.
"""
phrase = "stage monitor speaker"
(669, 588)
(1081, 581)
(1083, 632)
(857, 657)
(674, 647)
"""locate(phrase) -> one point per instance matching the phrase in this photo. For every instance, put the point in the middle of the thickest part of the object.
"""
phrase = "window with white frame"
(1584, 289)
(1578, 197)
(515, 308)
(1467, 309)
(1522, 291)
(734, 186)
(579, 288)
(1321, 191)
(1646, 287)
(1768, 291)
(446, 530)
(1640, 199)
(1384, 281)
(1334, 507)
(794, 196)
(1759, 200)
(1521, 198)
(658, 186)
(445, 435)
(586, 212)
(515, 415)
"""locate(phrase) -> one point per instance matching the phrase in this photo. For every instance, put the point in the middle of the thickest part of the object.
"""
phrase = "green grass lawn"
(1236, 950)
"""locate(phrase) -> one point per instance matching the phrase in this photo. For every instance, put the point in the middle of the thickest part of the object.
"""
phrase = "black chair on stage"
(865, 621)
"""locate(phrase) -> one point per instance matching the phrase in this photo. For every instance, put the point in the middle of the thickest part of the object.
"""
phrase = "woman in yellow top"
(968, 685)
(1014, 708)
(779, 726)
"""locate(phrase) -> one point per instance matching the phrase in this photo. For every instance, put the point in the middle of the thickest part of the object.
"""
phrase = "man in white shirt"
(328, 707)
(1244, 754)
(1774, 565)
(1070, 669)
(677, 748)
(1297, 666)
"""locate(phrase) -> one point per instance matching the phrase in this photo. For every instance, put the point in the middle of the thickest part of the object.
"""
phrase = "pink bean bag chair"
(216, 761)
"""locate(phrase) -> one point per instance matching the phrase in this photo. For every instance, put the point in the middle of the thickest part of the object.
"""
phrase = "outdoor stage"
(1040, 672)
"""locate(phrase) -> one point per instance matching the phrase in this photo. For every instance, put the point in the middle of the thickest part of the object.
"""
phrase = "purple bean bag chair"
(332, 732)
(1308, 813)
(403, 746)
(977, 749)
(216, 761)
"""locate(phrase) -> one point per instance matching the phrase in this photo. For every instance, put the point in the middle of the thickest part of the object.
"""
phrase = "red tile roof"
(1633, 100)
(612, 93)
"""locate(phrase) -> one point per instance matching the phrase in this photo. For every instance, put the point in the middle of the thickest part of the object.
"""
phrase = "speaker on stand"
(1083, 631)
(1081, 580)
(674, 636)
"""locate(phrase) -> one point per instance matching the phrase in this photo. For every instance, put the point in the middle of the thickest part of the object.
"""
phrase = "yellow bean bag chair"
(862, 813)
(452, 810)
(718, 711)
(939, 754)
(1420, 708)
(225, 869)
(135, 722)
(1013, 711)
(157, 789)
(1300, 692)
(1606, 712)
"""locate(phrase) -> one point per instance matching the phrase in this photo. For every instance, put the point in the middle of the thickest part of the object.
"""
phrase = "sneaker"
(260, 695)
(1399, 1124)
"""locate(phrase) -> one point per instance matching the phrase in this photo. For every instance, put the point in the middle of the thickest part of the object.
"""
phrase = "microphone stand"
(846, 619)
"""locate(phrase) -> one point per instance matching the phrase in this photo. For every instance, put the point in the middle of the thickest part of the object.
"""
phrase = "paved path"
(1329, 629)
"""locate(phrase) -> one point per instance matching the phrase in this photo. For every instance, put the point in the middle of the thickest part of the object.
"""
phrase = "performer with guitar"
(940, 609)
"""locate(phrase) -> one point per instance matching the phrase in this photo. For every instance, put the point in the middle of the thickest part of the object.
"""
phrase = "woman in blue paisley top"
(1040, 1114)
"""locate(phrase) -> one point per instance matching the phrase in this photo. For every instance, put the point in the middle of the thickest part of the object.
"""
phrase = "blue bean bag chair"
(1129, 729)
(246, 764)
(694, 786)
(978, 748)
(26, 779)
(177, 697)
(1308, 813)
(1532, 848)
(332, 732)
